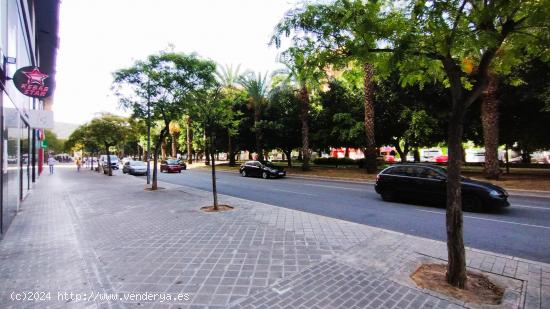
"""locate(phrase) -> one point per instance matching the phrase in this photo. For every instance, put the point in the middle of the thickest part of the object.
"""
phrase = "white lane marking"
(527, 206)
(493, 220)
(333, 187)
(294, 192)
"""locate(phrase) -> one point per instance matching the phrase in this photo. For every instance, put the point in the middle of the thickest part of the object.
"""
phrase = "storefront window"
(11, 171)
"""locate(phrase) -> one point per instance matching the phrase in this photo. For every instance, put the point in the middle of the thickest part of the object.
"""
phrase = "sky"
(98, 37)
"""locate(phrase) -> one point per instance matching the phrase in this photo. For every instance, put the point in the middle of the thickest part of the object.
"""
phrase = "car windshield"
(113, 157)
(137, 163)
(172, 162)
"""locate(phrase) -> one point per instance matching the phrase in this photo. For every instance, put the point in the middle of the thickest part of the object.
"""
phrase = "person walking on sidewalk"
(51, 163)
(78, 164)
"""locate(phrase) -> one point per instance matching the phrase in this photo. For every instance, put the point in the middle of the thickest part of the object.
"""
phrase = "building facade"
(28, 37)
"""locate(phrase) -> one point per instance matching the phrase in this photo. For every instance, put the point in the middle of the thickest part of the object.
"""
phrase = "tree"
(257, 87)
(301, 71)
(283, 121)
(54, 143)
(409, 117)
(228, 77)
(524, 112)
(341, 32)
(81, 139)
(341, 115)
(213, 112)
(108, 130)
(174, 130)
(166, 83)
(436, 43)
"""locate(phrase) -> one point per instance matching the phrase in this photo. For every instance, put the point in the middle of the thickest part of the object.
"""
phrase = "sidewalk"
(113, 245)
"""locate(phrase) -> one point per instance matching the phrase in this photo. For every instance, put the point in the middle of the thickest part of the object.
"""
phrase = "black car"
(258, 169)
(429, 183)
(183, 165)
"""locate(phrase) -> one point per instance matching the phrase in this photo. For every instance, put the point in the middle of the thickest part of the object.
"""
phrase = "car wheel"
(471, 203)
(243, 173)
(388, 195)
(179, 171)
(265, 175)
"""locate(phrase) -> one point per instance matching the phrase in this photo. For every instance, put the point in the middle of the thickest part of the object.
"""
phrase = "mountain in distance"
(64, 129)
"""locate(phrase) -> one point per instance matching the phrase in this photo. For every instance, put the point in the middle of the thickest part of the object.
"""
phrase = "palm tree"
(489, 121)
(174, 130)
(257, 87)
(189, 139)
(229, 80)
(301, 73)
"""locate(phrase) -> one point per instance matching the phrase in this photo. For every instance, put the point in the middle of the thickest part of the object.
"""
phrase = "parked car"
(182, 164)
(104, 163)
(428, 155)
(125, 159)
(441, 159)
(170, 166)
(135, 168)
(258, 169)
(429, 183)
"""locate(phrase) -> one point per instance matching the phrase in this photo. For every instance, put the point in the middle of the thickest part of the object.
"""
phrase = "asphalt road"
(522, 230)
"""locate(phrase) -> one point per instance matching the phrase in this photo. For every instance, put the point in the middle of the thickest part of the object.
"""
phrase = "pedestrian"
(51, 163)
(78, 164)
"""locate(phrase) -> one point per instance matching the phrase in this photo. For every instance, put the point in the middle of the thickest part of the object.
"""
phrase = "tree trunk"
(258, 131)
(507, 161)
(154, 185)
(304, 118)
(174, 145)
(288, 155)
(108, 160)
(230, 150)
(456, 269)
(189, 142)
(402, 152)
(346, 153)
(213, 164)
(416, 155)
(206, 150)
(489, 121)
(370, 155)
(92, 161)
(163, 150)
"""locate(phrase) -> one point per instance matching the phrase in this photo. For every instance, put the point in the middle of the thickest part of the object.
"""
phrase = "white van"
(103, 162)
(428, 155)
(477, 155)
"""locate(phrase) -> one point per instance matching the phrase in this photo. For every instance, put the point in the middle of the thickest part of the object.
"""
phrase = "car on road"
(170, 166)
(261, 169)
(182, 164)
(428, 183)
(135, 168)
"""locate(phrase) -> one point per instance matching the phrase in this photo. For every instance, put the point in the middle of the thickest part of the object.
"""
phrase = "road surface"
(522, 230)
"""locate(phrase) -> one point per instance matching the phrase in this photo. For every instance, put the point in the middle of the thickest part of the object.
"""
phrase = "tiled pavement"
(104, 237)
